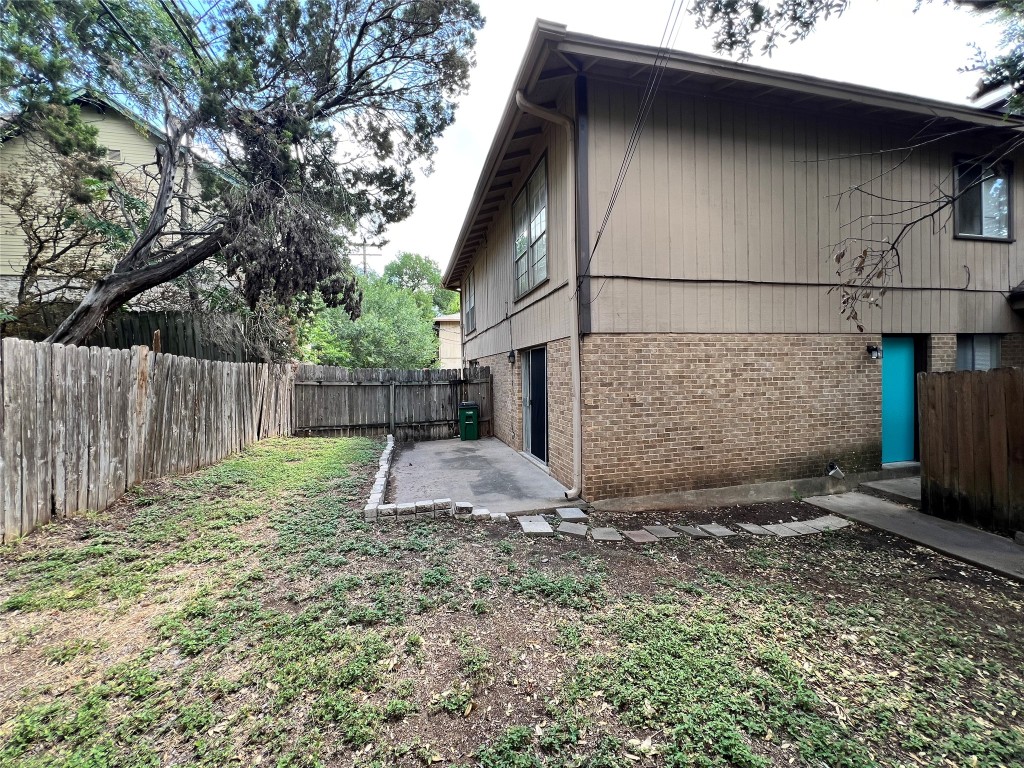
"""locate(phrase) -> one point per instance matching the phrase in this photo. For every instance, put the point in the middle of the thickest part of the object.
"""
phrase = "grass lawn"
(245, 615)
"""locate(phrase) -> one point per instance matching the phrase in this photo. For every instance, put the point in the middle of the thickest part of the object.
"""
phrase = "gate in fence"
(411, 405)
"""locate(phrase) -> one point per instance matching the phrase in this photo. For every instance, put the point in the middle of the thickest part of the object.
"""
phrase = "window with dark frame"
(983, 200)
(469, 300)
(530, 219)
(977, 351)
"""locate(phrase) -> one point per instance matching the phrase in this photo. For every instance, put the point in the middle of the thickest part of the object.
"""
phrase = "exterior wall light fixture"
(875, 352)
(511, 357)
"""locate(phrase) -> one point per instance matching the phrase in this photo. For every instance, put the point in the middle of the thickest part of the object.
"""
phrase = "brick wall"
(507, 398)
(1011, 352)
(666, 412)
(560, 411)
(507, 389)
(942, 352)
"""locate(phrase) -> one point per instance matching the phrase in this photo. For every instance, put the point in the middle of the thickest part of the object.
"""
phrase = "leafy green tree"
(394, 330)
(421, 276)
(313, 114)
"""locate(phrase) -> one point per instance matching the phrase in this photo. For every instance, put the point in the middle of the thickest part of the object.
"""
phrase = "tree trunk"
(113, 291)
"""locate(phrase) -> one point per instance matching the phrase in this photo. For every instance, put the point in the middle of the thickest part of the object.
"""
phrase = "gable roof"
(554, 53)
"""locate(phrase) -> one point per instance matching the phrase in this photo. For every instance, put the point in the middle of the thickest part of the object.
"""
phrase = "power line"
(669, 36)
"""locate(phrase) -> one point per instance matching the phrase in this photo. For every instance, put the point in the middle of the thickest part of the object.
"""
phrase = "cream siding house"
(449, 341)
(129, 145)
(699, 345)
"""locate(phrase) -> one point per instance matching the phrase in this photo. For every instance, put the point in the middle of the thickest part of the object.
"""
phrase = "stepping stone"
(693, 531)
(828, 523)
(572, 515)
(640, 537)
(605, 534)
(718, 530)
(801, 528)
(535, 525)
(661, 531)
(499, 517)
(755, 529)
(573, 529)
(781, 530)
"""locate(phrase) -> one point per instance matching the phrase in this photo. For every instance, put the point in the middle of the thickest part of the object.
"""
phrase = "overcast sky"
(880, 43)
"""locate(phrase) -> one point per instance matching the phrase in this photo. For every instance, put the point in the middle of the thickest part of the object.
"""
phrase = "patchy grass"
(245, 614)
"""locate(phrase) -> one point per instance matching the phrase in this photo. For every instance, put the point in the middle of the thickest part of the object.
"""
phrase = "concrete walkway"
(970, 545)
(902, 490)
(486, 473)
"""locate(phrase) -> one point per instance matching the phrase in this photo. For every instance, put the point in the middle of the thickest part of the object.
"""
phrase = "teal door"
(898, 406)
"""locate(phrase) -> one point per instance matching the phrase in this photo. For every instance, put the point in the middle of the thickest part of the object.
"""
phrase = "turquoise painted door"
(897, 399)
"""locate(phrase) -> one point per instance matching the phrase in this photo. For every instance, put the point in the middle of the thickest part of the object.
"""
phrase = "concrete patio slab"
(640, 537)
(605, 534)
(903, 490)
(535, 525)
(962, 542)
(486, 472)
(802, 528)
(755, 529)
(828, 523)
(572, 515)
(573, 529)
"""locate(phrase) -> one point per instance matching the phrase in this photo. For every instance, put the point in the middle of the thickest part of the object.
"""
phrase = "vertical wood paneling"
(741, 192)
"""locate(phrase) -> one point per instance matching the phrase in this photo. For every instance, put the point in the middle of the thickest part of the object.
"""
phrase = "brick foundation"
(560, 411)
(1011, 351)
(665, 412)
(507, 392)
(506, 399)
(942, 352)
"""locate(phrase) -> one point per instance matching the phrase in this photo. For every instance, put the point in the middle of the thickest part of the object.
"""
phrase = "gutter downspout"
(558, 118)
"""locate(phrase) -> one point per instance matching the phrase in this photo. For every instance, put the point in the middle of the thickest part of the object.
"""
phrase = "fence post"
(391, 409)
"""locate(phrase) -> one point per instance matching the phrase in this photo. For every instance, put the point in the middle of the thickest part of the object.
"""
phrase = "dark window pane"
(968, 212)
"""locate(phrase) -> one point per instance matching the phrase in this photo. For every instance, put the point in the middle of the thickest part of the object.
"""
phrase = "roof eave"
(544, 32)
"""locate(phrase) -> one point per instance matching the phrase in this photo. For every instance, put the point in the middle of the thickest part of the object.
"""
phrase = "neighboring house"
(449, 340)
(700, 346)
(130, 144)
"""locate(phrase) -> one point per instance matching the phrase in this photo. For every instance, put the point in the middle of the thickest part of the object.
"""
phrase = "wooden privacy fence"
(80, 425)
(972, 447)
(411, 405)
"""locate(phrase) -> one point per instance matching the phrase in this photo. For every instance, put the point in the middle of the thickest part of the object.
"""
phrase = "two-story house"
(689, 339)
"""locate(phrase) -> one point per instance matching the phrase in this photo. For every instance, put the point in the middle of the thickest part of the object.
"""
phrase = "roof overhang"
(554, 52)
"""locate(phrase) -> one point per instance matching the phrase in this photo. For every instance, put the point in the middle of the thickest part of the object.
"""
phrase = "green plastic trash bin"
(469, 420)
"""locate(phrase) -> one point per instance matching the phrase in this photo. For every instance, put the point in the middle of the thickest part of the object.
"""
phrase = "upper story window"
(530, 219)
(469, 302)
(977, 351)
(983, 200)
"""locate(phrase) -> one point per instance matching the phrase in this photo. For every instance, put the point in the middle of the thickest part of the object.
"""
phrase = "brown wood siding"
(541, 315)
(730, 212)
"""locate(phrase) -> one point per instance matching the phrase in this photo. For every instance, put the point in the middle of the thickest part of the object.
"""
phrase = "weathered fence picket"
(972, 447)
(411, 405)
(80, 425)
